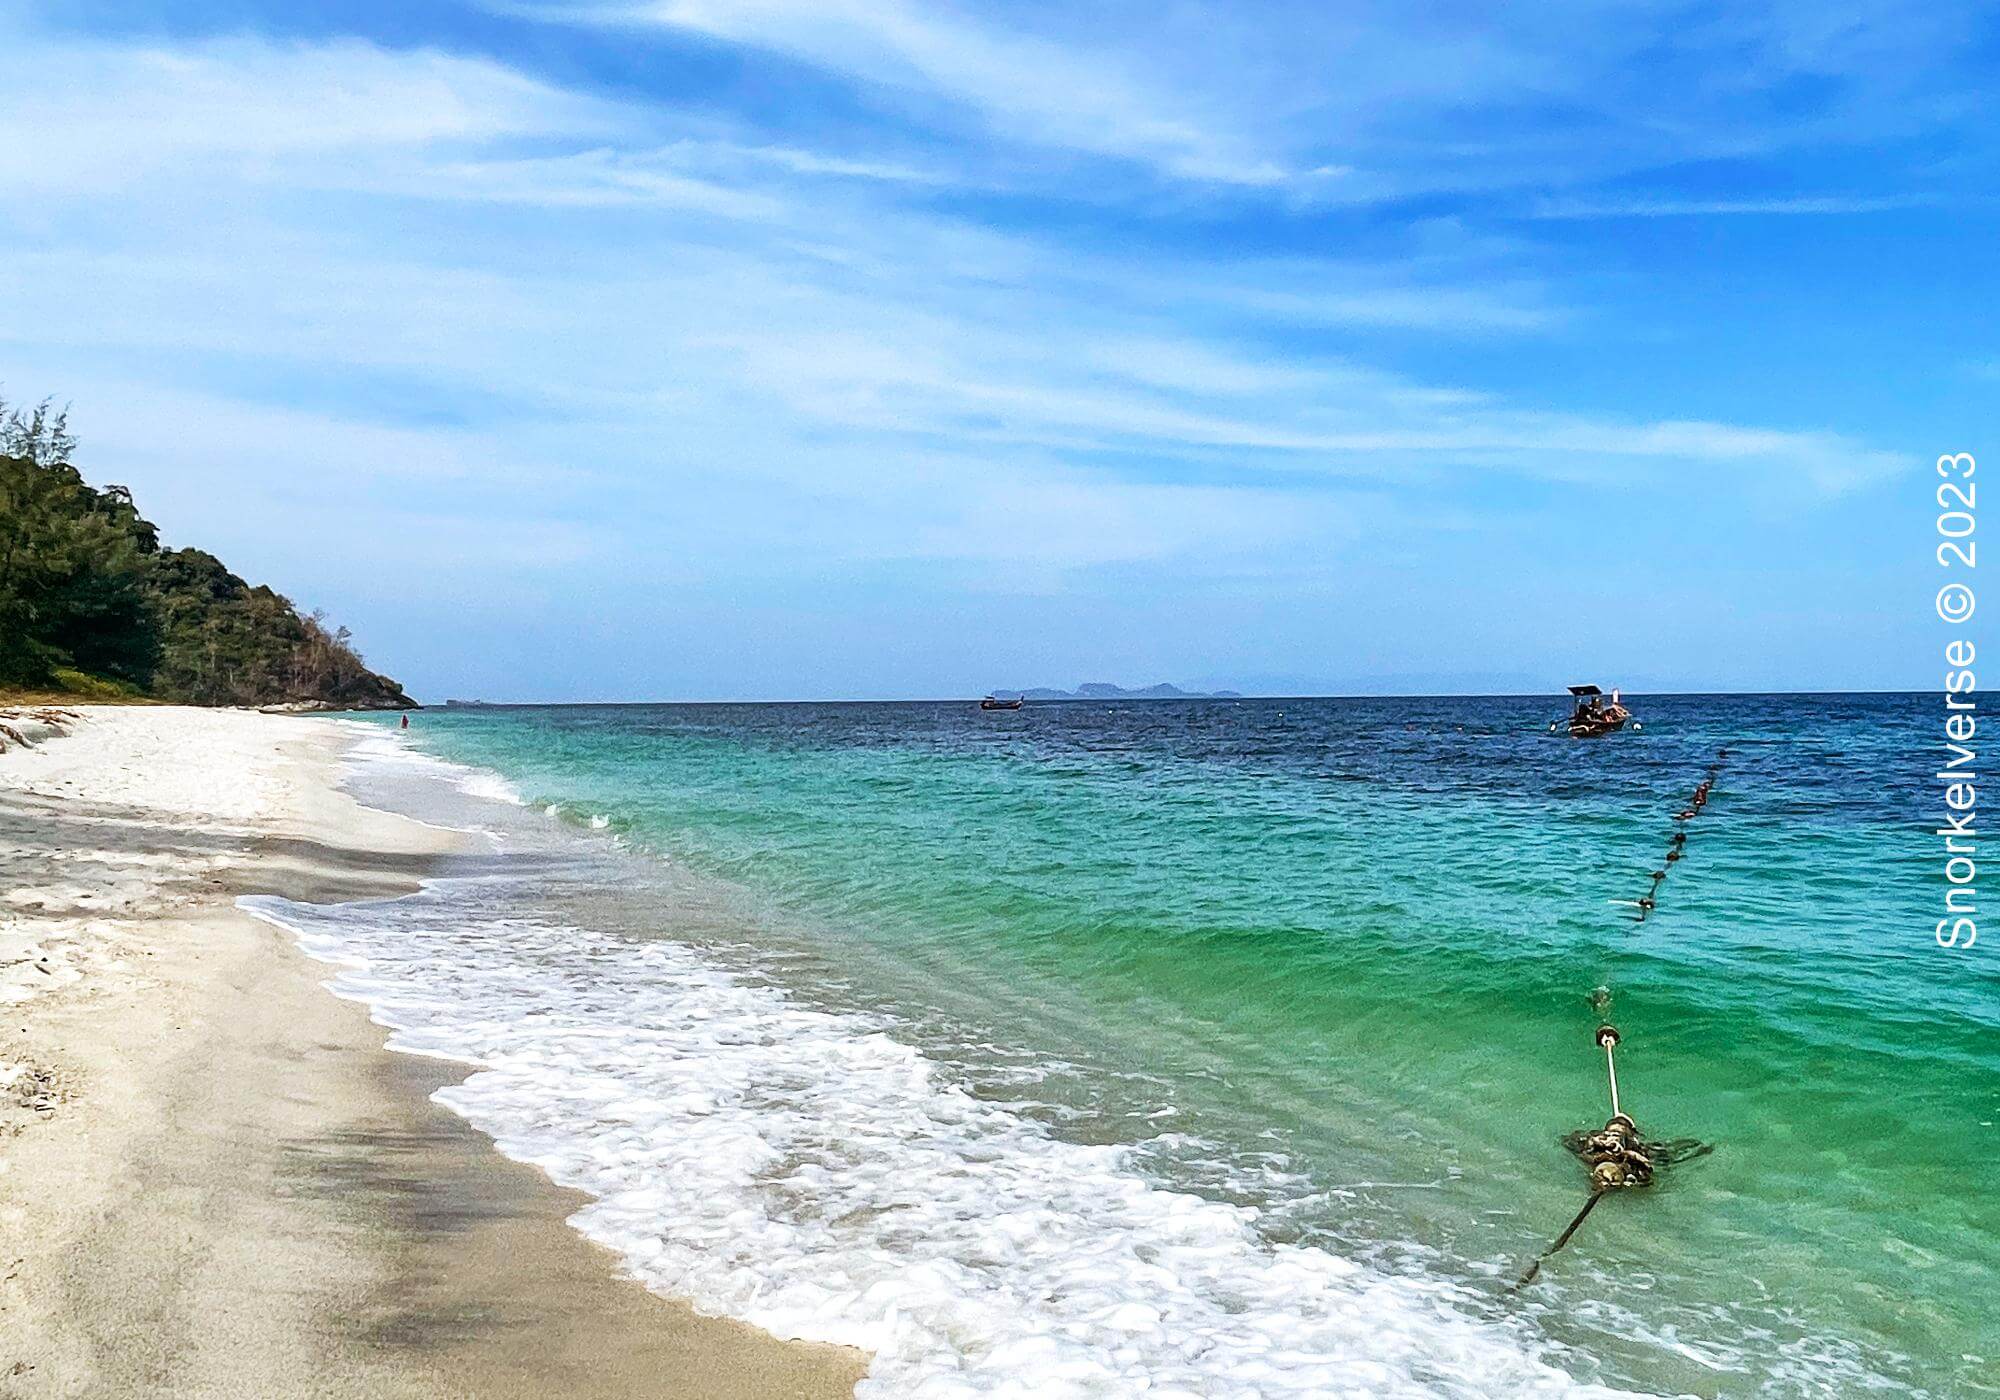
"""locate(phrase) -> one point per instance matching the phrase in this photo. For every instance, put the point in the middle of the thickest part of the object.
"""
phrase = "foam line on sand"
(213, 1178)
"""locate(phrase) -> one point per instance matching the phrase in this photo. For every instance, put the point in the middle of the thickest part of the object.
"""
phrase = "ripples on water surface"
(1223, 1048)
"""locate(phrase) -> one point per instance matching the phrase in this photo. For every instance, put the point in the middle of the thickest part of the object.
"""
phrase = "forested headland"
(92, 605)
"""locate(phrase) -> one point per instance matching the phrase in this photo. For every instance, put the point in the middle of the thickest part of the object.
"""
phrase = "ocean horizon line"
(1211, 699)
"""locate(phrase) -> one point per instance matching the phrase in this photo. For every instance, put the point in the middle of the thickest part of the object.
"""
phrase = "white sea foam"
(493, 787)
(811, 1173)
(387, 748)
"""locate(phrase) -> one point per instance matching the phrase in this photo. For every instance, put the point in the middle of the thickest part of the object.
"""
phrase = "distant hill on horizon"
(1102, 690)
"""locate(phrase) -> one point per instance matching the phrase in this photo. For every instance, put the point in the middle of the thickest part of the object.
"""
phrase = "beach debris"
(32, 1088)
(24, 727)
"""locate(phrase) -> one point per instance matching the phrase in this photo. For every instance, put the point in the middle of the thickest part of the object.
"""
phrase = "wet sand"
(213, 1179)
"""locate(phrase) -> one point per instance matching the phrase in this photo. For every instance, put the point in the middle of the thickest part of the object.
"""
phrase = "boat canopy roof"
(1584, 690)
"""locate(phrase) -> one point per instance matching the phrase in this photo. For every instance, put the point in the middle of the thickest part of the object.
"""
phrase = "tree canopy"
(86, 588)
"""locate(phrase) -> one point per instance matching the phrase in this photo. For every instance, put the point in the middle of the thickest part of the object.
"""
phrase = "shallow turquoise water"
(1351, 945)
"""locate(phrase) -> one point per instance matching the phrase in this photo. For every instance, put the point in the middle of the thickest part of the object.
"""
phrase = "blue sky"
(815, 348)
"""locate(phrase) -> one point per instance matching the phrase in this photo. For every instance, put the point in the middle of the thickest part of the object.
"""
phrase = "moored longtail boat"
(1592, 717)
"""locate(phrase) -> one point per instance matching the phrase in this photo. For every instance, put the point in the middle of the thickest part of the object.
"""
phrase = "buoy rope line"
(1677, 845)
(1615, 1155)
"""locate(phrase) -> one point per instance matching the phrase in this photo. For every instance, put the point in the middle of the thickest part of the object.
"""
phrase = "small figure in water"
(406, 721)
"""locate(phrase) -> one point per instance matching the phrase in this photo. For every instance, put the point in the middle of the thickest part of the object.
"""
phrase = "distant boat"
(989, 703)
(1593, 718)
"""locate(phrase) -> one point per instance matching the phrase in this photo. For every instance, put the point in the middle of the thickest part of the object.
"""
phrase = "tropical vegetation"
(93, 605)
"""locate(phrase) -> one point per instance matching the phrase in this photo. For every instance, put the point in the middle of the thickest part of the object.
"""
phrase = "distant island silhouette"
(1101, 690)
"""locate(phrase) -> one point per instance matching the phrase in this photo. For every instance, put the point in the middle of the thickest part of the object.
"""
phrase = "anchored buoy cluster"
(1615, 1155)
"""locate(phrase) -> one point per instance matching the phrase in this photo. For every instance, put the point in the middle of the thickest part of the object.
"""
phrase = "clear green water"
(1352, 943)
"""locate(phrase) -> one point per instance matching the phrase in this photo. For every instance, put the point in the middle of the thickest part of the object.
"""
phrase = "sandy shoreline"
(213, 1178)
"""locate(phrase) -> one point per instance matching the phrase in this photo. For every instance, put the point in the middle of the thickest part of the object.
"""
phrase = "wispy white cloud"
(762, 353)
(1634, 207)
(1018, 83)
(801, 162)
(1334, 421)
(1360, 104)
(1323, 296)
(597, 178)
(96, 118)
(348, 116)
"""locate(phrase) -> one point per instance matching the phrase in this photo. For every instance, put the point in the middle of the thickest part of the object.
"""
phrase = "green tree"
(84, 584)
(73, 578)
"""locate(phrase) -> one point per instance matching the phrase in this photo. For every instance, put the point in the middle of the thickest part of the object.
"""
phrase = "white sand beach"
(213, 1178)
